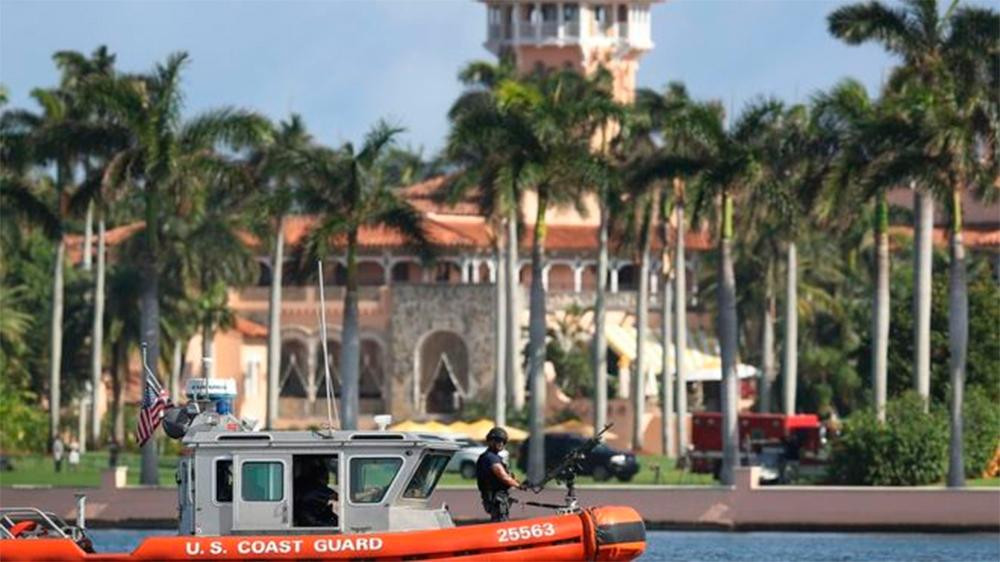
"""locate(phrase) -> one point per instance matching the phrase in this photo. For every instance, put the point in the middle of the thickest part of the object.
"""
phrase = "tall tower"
(582, 35)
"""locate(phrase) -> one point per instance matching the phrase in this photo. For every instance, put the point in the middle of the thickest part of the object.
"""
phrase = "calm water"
(720, 546)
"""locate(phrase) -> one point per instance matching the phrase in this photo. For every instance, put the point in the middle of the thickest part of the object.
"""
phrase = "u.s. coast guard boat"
(322, 495)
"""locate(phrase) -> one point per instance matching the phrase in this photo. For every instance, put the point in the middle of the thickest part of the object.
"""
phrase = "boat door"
(262, 490)
(373, 484)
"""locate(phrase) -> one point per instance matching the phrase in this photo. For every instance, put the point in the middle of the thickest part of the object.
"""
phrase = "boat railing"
(51, 523)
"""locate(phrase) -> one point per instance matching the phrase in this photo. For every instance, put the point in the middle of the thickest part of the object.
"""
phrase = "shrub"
(909, 449)
(981, 431)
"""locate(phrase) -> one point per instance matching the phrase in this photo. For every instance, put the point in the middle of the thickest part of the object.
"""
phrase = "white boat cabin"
(232, 480)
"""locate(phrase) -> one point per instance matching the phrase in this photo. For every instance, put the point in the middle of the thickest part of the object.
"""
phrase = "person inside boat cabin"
(493, 478)
(314, 498)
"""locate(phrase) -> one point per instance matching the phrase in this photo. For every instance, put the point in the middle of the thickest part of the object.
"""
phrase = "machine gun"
(566, 472)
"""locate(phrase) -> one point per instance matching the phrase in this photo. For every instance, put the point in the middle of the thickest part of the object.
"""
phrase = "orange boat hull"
(604, 533)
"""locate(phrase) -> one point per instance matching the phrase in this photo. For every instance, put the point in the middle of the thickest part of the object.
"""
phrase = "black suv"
(602, 463)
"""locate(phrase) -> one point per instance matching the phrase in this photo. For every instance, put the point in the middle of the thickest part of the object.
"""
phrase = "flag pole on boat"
(331, 406)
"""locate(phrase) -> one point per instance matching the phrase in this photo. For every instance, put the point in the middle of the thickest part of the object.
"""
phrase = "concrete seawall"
(745, 506)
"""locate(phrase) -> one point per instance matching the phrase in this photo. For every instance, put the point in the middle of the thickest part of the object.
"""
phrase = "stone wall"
(417, 311)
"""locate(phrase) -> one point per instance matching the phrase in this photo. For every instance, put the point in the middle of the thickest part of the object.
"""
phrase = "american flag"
(154, 402)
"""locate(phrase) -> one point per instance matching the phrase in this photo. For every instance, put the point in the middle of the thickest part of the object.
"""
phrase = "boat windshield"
(426, 477)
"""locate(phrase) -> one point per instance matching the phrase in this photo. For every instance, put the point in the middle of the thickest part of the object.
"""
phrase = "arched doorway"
(371, 376)
(443, 373)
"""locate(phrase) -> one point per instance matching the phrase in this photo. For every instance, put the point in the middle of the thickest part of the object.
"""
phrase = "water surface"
(712, 546)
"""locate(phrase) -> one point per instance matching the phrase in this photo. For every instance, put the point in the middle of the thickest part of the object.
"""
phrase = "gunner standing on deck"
(493, 478)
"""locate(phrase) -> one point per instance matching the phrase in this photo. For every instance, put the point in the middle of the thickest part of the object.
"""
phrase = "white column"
(545, 277)
(538, 20)
(614, 277)
(475, 271)
(491, 265)
(559, 20)
(386, 271)
(464, 265)
(577, 274)
(654, 277)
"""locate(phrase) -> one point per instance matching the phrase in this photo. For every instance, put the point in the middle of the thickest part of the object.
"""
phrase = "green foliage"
(983, 365)
(25, 426)
(574, 370)
(981, 433)
(909, 449)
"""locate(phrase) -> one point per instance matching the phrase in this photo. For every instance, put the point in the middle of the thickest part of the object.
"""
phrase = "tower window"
(571, 12)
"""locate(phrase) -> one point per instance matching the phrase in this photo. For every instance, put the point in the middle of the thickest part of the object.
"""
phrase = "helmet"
(497, 434)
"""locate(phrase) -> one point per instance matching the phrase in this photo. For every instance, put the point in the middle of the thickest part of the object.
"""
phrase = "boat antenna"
(331, 406)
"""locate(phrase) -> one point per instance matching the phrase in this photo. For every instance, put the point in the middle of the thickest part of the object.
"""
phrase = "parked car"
(602, 463)
(464, 460)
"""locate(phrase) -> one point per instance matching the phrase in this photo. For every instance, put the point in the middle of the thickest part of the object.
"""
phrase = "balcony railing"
(527, 31)
(571, 29)
(550, 29)
(623, 30)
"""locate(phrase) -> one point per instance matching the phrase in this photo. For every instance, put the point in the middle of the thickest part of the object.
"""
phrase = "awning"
(700, 366)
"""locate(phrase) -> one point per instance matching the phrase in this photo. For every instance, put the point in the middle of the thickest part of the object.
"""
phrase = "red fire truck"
(783, 446)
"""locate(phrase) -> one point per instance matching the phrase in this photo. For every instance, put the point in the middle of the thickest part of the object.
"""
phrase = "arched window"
(443, 372)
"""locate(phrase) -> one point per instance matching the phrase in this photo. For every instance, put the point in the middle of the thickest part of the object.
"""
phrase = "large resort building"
(427, 328)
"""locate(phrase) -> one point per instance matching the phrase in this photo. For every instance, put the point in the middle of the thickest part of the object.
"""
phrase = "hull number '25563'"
(536, 531)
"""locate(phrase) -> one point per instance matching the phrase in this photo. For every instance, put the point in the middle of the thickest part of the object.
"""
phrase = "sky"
(344, 64)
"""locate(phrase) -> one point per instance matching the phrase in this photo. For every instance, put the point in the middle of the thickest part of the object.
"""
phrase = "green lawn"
(38, 470)
(984, 482)
(646, 475)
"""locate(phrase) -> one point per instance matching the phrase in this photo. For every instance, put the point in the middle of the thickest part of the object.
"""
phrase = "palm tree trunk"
(350, 345)
(958, 336)
(150, 334)
(177, 369)
(499, 339)
(667, 381)
(727, 332)
(274, 325)
(55, 349)
(881, 305)
(536, 347)
(600, 345)
(680, 329)
(88, 238)
(790, 381)
(641, 322)
(97, 339)
(923, 255)
(207, 349)
(118, 363)
(767, 340)
(515, 373)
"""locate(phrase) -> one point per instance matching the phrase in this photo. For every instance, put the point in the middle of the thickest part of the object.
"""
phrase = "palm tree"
(560, 128)
(273, 170)
(935, 51)
(489, 144)
(348, 191)
(862, 129)
(947, 122)
(161, 156)
(59, 138)
(76, 69)
(736, 167)
(686, 131)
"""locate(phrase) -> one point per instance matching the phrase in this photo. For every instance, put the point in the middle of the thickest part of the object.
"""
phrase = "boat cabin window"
(223, 480)
(263, 481)
(316, 491)
(371, 478)
(426, 477)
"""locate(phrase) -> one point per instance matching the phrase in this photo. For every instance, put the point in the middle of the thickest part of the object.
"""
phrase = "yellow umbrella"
(515, 434)
(460, 427)
(408, 425)
(435, 427)
(578, 427)
(479, 428)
